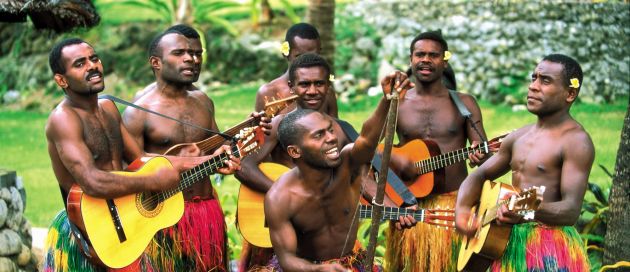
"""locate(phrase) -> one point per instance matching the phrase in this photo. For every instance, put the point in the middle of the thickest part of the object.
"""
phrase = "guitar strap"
(465, 112)
(85, 246)
(127, 103)
(393, 179)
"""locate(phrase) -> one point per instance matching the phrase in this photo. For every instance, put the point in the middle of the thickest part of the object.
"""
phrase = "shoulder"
(202, 97)
(468, 99)
(61, 121)
(576, 139)
(144, 91)
(280, 191)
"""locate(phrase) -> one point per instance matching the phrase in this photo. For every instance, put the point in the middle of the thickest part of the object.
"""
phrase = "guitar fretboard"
(392, 213)
(199, 172)
(448, 158)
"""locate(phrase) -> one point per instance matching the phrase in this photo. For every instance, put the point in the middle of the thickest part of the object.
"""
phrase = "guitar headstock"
(277, 105)
(249, 139)
(440, 217)
(527, 201)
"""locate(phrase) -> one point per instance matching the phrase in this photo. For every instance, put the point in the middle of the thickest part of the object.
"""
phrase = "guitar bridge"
(113, 211)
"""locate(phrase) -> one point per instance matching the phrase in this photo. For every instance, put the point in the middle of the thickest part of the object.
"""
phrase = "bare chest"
(102, 136)
(435, 119)
(162, 133)
(536, 160)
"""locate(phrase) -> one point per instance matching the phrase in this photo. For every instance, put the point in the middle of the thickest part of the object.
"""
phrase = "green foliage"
(243, 59)
(593, 220)
(496, 45)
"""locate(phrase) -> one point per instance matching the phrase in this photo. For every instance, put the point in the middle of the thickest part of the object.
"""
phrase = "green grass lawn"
(23, 145)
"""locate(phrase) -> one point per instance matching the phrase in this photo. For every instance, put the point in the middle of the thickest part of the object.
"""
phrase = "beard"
(318, 160)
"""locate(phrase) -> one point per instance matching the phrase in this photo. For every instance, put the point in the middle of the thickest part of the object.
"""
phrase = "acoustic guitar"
(251, 211)
(430, 164)
(488, 244)
(120, 229)
(213, 142)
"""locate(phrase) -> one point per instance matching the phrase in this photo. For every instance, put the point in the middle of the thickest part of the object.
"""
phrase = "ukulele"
(119, 230)
(488, 244)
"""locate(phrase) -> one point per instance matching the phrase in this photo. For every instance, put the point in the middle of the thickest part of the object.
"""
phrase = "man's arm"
(282, 233)
(476, 158)
(65, 131)
(250, 175)
(263, 91)
(365, 145)
(470, 189)
(578, 155)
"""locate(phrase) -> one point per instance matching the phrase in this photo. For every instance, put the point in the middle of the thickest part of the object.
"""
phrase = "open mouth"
(332, 153)
(94, 77)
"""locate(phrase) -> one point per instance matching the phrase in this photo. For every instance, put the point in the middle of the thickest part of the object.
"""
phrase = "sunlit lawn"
(23, 144)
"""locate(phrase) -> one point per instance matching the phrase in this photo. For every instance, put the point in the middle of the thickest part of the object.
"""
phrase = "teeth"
(334, 150)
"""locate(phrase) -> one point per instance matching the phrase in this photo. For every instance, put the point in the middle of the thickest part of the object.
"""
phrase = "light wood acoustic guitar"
(270, 110)
(488, 244)
(118, 230)
(251, 211)
(430, 164)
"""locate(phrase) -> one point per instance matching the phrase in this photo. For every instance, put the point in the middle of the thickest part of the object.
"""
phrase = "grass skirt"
(535, 247)
(424, 247)
(63, 254)
(196, 243)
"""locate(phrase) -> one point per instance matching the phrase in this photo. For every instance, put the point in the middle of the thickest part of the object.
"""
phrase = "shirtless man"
(555, 152)
(176, 62)
(192, 35)
(87, 140)
(312, 209)
(427, 112)
(300, 38)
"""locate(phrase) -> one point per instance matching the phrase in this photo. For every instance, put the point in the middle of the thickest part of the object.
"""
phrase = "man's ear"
(294, 151)
(155, 62)
(572, 94)
(290, 87)
(61, 81)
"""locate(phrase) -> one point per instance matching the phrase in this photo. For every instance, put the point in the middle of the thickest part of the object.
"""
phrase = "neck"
(315, 178)
(171, 89)
(553, 119)
(431, 88)
(85, 102)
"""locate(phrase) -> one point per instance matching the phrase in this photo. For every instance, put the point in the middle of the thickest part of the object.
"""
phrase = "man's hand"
(466, 223)
(505, 216)
(400, 83)
(165, 178)
(405, 222)
(232, 165)
(264, 122)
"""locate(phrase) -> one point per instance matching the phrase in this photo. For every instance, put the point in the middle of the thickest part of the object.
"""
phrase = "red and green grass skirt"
(536, 247)
(196, 243)
(62, 253)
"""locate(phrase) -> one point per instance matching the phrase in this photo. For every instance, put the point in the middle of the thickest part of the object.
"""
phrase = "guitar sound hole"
(149, 201)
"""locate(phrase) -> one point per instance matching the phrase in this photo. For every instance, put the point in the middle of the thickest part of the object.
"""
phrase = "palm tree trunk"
(617, 244)
(321, 14)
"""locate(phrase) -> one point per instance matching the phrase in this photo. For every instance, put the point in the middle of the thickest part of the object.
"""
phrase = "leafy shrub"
(495, 45)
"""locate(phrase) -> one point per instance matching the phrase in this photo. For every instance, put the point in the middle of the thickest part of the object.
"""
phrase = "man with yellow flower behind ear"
(428, 112)
(555, 152)
(300, 38)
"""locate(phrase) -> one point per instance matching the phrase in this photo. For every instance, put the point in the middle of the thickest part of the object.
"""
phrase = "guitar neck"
(216, 140)
(200, 172)
(443, 160)
(422, 215)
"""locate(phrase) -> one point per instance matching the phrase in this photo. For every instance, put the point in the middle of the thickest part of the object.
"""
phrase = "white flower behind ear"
(285, 48)
(575, 83)
(331, 78)
(447, 55)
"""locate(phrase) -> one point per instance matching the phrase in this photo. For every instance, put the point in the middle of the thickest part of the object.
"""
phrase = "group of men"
(311, 210)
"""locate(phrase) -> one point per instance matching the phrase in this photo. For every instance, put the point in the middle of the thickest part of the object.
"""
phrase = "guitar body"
(414, 151)
(250, 214)
(139, 222)
(477, 253)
